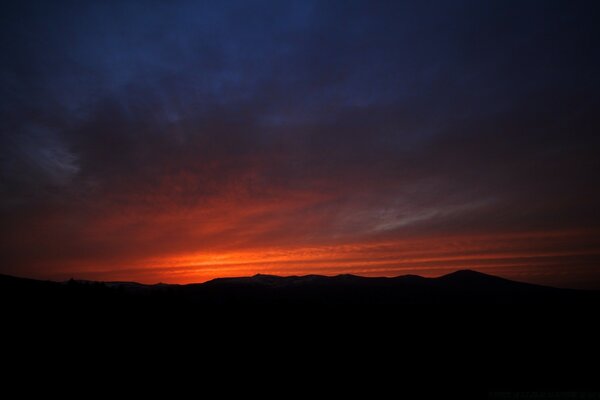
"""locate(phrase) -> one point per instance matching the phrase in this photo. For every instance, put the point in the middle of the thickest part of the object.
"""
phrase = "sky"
(180, 141)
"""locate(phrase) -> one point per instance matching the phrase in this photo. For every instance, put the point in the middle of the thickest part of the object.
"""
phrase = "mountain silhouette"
(460, 287)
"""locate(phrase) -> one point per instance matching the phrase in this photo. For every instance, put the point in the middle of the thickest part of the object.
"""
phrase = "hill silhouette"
(461, 287)
(502, 331)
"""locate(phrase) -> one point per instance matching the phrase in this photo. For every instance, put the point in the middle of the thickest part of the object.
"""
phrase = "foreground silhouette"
(478, 332)
(461, 287)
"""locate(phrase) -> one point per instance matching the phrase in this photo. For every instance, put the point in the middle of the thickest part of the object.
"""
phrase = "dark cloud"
(132, 131)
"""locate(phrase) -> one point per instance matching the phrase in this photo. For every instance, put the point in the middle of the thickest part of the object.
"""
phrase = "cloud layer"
(184, 141)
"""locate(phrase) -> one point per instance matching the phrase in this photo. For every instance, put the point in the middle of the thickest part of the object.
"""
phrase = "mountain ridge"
(463, 275)
(459, 287)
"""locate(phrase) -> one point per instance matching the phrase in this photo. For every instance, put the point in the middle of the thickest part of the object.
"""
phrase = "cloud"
(134, 133)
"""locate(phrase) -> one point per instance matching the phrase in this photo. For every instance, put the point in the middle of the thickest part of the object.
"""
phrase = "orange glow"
(506, 255)
(295, 232)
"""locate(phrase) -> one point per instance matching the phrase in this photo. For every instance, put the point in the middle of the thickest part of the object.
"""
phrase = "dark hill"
(461, 287)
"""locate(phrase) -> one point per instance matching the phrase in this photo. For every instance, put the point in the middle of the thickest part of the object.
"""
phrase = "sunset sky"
(181, 141)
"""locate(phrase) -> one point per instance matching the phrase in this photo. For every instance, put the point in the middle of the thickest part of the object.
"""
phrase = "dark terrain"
(412, 337)
(462, 287)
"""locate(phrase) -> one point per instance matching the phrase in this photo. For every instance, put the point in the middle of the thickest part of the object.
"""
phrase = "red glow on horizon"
(507, 255)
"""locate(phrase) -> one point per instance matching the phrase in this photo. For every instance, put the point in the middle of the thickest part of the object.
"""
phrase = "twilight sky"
(179, 141)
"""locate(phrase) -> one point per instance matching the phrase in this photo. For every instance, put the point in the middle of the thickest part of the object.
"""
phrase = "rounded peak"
(465, 273)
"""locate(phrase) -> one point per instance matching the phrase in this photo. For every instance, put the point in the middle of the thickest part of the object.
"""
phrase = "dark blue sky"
(146, 139)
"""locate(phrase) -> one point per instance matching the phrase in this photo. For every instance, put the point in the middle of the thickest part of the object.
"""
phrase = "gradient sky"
(179, 141)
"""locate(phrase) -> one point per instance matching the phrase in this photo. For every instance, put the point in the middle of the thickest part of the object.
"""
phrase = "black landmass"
(466, 333)
(463, 287)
